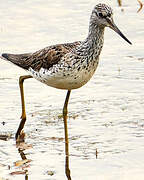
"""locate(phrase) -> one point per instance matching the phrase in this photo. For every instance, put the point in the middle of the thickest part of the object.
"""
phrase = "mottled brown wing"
(45, 58)
(49, 56)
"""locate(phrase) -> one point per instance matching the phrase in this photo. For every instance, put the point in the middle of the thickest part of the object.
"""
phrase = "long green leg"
(23, 116)
(67, 170)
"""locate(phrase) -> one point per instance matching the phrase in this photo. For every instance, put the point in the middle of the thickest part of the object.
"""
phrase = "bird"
(66, 66)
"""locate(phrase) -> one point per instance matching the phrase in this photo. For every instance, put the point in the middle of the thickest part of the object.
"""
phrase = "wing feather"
(44, 58)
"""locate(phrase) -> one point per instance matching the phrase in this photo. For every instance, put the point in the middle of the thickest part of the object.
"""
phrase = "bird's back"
(44, 58)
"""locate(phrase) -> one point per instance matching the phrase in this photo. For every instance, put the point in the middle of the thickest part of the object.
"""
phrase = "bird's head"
(102, 16)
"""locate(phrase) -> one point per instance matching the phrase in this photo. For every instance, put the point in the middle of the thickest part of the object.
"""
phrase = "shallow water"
(106, 115)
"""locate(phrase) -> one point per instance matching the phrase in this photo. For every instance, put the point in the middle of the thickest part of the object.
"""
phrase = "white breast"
(63, 78)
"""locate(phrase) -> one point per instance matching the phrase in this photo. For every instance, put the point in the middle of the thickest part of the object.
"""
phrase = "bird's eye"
(101, 15)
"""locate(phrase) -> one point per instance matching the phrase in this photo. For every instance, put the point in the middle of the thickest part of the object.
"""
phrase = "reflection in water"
(22, 146)
(67, 170)
(23, 156)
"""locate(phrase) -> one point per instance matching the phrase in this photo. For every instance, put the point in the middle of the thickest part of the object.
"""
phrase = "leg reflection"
(23, 156)
(20, 146)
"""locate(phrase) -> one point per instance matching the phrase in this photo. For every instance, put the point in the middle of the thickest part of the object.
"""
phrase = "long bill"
(116, 29)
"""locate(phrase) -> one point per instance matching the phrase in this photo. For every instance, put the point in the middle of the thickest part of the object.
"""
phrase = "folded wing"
(44, 58)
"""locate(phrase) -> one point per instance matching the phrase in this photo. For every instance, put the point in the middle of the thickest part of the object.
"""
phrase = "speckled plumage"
(69, 66)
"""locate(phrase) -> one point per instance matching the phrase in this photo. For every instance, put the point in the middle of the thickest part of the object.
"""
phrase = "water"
(106, 115)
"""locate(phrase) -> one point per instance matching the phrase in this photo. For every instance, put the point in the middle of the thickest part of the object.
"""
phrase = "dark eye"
(101, 15)
(104, 16)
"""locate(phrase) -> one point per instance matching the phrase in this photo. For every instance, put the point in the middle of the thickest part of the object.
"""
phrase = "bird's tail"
(17, 59)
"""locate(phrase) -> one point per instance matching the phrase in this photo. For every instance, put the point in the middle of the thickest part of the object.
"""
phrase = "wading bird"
(66, 66)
